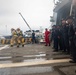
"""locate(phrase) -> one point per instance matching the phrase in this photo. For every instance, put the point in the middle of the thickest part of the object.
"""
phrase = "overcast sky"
(36, 12)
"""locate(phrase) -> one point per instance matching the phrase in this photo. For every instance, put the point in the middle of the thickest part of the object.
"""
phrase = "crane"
(25, 21)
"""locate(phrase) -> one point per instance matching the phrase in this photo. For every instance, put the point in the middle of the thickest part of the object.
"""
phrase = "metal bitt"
(25, 22)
